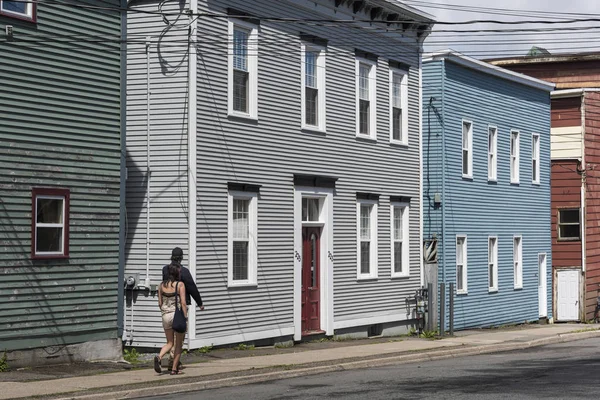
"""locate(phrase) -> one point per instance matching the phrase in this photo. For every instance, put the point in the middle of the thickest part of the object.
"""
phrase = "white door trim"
(543, 284)
(326, 276)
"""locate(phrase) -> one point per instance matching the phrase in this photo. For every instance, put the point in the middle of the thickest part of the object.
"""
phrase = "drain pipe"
(148, 171)
(583, 183)
(192, 164)
(444, 199)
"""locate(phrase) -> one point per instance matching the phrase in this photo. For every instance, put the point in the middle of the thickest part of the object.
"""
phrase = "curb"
(300, 371)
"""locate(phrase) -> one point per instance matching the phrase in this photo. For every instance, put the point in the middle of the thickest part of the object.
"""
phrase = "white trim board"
(378, 319)
(239, 337)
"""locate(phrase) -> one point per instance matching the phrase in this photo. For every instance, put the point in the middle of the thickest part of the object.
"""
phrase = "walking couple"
(173, 300)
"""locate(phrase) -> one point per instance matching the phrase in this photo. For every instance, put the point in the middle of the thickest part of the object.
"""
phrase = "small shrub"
(131, 356)
(428, 334)
(4, 363)
(204, 350)
(243, 346)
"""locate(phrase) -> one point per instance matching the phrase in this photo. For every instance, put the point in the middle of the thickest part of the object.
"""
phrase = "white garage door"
(568, 295)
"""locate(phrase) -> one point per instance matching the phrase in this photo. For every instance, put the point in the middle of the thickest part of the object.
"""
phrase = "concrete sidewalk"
(237, 371)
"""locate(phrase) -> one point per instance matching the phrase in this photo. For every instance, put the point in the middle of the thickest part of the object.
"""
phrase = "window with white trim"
(467, 149)
(535, 158)
(18, 9)
(398, 106)
(50, 212)
(399, 237)
(514, 156)
(313, 87)
(366, 212)
(518, 262)
(461, 264)
(493, 264)
(492, 153)
(568, 225)
(243, 69)
(366, 105)
(242, 250)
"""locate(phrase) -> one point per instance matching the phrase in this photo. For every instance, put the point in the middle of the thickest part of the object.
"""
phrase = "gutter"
(192, 163)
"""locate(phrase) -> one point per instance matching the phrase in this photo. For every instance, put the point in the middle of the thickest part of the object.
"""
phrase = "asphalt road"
(563, 371)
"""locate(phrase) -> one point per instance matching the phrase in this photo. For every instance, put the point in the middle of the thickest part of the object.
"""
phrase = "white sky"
(491, 45)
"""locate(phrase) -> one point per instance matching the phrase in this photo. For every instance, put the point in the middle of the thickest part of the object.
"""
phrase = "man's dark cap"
(176, 253)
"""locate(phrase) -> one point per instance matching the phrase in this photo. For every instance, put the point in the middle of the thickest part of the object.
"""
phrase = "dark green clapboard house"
(61, 93)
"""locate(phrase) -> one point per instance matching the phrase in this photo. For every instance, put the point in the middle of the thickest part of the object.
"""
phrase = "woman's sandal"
(175, 372)
(157, 367)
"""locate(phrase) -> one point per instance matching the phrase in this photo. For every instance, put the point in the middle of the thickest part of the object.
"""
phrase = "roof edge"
(482, 66)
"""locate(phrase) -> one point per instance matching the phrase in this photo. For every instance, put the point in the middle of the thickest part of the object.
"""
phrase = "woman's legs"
(165, 349)
(179, 337)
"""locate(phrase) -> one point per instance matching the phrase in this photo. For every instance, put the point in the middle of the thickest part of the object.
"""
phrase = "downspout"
(421, 261)
(582, 217)
(148, 170)
(583, 183)
(192, 163)
(443, 172)
(123, 176)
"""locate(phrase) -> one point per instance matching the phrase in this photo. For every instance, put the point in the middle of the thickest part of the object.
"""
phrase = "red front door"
(311, 244)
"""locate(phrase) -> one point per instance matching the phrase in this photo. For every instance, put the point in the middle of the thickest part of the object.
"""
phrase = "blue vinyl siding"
(478, 208)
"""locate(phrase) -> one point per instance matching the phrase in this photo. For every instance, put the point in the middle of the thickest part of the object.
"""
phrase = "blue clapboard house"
(486, 189)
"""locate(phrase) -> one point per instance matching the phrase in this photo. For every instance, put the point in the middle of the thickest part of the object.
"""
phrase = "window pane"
(465, 135)
(365, 257)
(397, 124)
(313, 260)
(310, 209)
(311, 106)
(240, 50)
(240, 90)
(569, 231)
(398, 223)
(534, 170)
(397, 91)
(15, 6)
(398, 257)
(364, 116)
(459, 250)
(49, 239)
(311, 69)
(465, 162)
(240, 219)
(459, 277)
(491, 275)
(569, 216)
(240, 260)
(365, 222)
(50, 211)
(363, 82)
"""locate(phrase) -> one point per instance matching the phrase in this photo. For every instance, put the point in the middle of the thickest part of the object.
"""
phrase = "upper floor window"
(18, 9)
(400, 257)
(535, 158)
(243, 69)
(367, 238)
(467, 149)
(50, 213)
(398, 106)
(313, 87)
(568, 224)
(242, 249)
(492, 153)
(366, 106)
(514, 156)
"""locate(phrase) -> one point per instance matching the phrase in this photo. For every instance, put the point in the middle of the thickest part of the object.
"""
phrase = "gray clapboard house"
(277, 143)
(60, 173)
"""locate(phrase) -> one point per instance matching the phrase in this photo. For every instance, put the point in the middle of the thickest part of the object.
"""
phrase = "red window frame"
(66, 193)
(21, 17)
